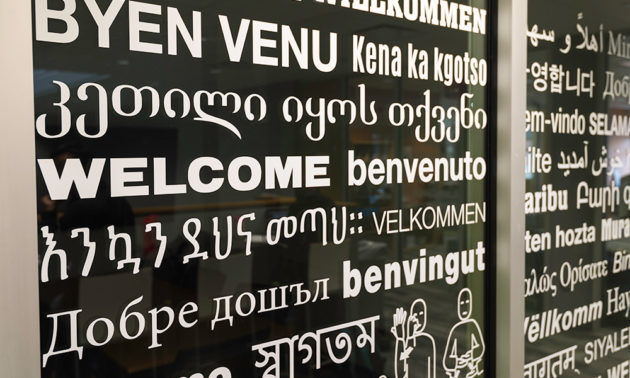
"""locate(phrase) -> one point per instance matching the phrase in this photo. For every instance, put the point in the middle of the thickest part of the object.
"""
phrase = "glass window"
(262, 188)
(577, 189)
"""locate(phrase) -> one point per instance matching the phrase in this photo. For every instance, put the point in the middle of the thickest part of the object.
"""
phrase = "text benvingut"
(449, 267)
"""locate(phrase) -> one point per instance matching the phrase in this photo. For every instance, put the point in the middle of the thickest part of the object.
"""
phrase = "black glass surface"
(577, 235)
(222, 243)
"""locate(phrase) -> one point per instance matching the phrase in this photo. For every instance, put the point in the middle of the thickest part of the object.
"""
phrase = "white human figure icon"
(465, 346)
(415, 353)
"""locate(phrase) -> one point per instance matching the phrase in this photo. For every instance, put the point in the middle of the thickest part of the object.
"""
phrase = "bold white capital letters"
(136, 27)
(104, 21)
(235, 48)
(59, 185)
(43, 14)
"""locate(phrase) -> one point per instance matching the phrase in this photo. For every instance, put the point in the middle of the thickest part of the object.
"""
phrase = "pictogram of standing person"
(415, 354)
(465, 347)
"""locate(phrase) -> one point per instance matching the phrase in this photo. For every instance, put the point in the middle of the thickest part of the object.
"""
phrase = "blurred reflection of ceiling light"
(44, 80)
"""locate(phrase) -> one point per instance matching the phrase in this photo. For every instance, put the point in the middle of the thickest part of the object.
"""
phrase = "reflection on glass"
(204, 215)
(577, 174)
